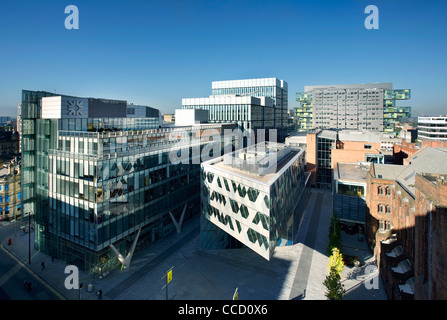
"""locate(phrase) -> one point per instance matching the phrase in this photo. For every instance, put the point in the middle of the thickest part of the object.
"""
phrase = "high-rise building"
(255, 196)
(432, 128)
(251, 103)
(97, 171)
(355, 106)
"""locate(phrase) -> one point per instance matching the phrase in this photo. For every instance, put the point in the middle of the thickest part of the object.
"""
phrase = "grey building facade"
(370, 106)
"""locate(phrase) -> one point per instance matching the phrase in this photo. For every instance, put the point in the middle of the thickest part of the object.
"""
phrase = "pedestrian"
(43, 265)
(25, 283)
(28, 285)
(99, 294)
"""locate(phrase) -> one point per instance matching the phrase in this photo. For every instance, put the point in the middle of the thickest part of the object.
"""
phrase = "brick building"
(406, 227)
(326, 148)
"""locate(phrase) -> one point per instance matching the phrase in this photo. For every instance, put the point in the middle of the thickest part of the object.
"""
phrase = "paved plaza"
(295, 272)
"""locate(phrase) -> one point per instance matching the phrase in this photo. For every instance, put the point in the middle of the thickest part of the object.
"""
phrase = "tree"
(335, 289)
(334, 233)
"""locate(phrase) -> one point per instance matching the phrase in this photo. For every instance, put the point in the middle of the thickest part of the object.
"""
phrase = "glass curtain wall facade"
(393, 114)
(94, 182)
(103, 187)
(247, 112)
(324, 169)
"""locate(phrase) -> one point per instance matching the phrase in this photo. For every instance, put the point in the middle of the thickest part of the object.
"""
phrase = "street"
(13, 274)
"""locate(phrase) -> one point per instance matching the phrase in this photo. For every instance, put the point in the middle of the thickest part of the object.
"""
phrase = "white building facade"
(256, 195)
(251, 103)
(432, 128)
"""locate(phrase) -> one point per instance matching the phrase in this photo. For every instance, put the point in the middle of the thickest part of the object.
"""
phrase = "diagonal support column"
(126, 261)
(178, 225)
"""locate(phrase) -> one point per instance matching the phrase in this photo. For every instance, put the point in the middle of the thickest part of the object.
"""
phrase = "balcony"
(403, 271)
(405, 290)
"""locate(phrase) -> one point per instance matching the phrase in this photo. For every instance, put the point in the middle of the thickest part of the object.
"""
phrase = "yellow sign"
(169, 276)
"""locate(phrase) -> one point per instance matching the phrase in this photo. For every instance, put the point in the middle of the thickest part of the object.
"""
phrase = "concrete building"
(432, 128)
(255, 196)
(369, 106)
(406, 224)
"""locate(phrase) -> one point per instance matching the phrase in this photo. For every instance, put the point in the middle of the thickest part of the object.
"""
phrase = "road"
(13, 273)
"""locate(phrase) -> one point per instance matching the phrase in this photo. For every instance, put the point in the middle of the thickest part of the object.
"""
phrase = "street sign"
(169, 276)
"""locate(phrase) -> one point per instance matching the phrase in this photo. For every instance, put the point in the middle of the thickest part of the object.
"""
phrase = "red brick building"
(406, 225)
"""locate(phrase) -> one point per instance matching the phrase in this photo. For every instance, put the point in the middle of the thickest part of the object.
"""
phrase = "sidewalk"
(294, 272)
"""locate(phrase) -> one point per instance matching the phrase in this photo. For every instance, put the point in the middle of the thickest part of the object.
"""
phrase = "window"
(387, 209)
(380, 208)
(388, 191)
(382, 225)
(367, 146)
(380, 190)
(7, 198)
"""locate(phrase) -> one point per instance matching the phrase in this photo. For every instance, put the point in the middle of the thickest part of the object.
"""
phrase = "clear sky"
(157, 52)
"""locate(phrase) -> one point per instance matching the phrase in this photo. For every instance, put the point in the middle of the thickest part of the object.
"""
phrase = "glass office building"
(94, 181)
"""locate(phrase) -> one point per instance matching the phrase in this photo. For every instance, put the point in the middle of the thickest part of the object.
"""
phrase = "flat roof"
(355, 172)
(260, 178)
(378, 85)
(259, 168)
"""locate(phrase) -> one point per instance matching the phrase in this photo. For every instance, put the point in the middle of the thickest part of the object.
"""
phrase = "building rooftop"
(350, 86)
(387, 171)
(428, 160)
(262, 162)
(260, 82)
(351, 171)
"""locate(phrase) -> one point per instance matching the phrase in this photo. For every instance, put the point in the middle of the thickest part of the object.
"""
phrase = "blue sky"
(158, 52)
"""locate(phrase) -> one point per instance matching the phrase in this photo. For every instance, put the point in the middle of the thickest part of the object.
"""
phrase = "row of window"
(384, 208)
(380, 190)
(8, 197)
(7, 209)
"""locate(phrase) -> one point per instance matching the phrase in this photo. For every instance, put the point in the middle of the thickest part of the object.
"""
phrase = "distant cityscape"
(97, 176)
